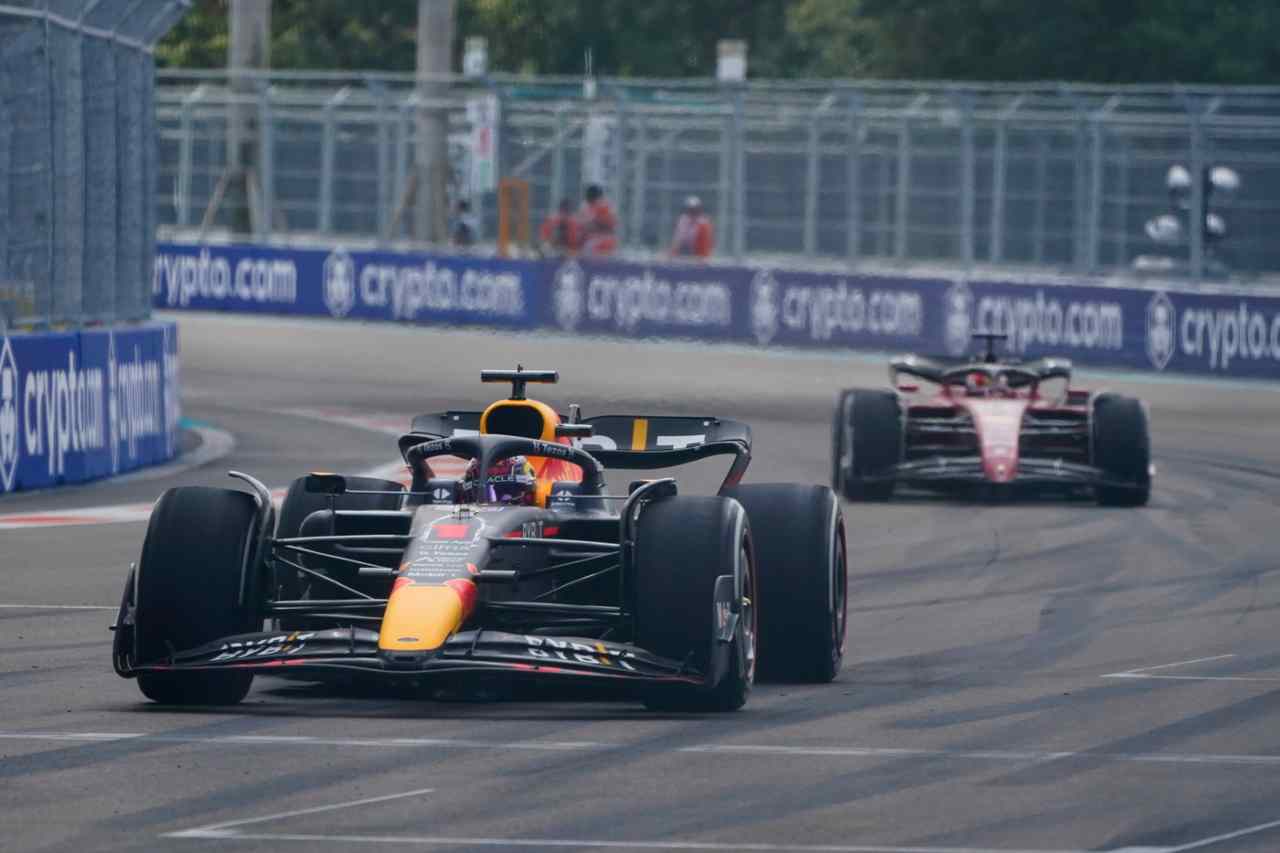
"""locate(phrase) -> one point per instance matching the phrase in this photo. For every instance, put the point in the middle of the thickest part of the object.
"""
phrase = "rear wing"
(1019, 374)
(623, 442)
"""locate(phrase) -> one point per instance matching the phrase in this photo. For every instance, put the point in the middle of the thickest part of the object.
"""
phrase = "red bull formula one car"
(524, 568)
(994, 423)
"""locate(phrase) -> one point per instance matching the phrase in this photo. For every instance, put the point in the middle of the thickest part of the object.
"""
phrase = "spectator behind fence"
(560, 233)
(694, 236)
(462, 233)
(598, 224)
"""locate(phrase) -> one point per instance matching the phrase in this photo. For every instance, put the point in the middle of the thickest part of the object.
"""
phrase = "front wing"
(969, 469)
(355, 651)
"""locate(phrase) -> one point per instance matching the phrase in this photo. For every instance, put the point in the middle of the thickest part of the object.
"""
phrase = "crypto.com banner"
(410, 287)
(1228, 334)
(77, 406)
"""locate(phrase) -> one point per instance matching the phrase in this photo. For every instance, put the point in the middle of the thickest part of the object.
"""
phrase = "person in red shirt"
(560, 232)
(599, 223)
(693, 237)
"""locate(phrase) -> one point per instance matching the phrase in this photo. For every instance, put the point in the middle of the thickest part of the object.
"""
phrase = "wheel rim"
(840, 595)
(748, 622)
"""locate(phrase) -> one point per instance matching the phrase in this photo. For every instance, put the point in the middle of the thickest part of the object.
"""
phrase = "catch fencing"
(1036, 176)
(77, 159)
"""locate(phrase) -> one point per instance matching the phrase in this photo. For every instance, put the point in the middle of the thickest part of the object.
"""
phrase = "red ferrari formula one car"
(995, 423)
(524, 568)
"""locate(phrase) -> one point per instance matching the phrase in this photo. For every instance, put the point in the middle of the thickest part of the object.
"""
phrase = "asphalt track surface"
(1024, 676)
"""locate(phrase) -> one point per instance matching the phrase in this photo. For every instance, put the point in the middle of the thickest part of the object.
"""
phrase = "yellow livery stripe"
(640, 434)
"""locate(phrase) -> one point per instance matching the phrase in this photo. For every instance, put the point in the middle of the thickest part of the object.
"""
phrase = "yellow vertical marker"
(640, 434)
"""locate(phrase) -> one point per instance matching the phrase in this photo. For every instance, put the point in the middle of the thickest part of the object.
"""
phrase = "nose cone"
(421, 617)
(1000, 464)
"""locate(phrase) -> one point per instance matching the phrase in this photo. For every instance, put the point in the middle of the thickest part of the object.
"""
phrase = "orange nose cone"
(423, 617)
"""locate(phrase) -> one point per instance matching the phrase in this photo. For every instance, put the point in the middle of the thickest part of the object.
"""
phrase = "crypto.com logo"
(766, 297)
(1160, 324)
(959, 318)
(568, 295)
(339, 282)
(8, 415)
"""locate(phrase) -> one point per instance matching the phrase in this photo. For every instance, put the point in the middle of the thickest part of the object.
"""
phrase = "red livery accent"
(450, 531)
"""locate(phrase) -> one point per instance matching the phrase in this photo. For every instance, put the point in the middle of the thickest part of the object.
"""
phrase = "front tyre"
(684, 546)
(803, 578)
(187, 591)
(866, 444)
(1122, 450)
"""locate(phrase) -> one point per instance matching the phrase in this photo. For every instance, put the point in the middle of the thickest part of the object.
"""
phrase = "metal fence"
(1057, 177)
(77, 158)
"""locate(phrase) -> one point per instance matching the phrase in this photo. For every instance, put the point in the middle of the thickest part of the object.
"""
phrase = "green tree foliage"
(1224, 41)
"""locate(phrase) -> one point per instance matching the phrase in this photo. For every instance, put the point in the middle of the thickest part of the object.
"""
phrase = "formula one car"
(991, 422)
(524, 568)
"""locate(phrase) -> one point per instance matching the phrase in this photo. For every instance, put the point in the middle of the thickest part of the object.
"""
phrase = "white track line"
(218, 827)
(1145, 673)
(738, 750)
(1229, 836)
(1128, 673)
(56, 607)
(228, 830)
(600, 844)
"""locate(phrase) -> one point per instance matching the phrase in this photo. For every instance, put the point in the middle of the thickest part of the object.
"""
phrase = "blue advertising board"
(406, 287)
(1104, 325)
(77, 406)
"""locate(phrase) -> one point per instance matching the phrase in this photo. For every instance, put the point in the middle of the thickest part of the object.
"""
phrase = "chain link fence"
(77, 159)
(1054, 177)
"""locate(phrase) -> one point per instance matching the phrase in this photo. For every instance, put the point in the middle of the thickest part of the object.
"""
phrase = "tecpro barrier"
(77, 406)
(1106, 325)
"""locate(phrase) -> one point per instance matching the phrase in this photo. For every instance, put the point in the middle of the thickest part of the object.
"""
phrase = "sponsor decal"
(1160, 319)
(71, 409)
(600, 654)
(279, 645)
(339, 282)
(62, 412)
(764, 307)
(824, 312)
(1037, 319)
(627, 297)
(567, 295)
(1221, 335)
(959, 319)
(412, 287)
(8, 415)
(178, 279)
(138, 407)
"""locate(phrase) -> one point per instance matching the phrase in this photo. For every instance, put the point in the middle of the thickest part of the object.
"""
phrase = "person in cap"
(694, 236)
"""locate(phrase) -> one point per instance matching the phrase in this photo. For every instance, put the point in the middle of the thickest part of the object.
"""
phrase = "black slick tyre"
(866, 442)
(802, 574)
(1121, 450)
(188, 591)
(683, 545)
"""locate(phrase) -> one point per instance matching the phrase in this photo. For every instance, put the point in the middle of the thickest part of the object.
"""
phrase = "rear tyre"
(188, 591)
(683, 544)
(299, 503)
(866, 442)
(1122, 450)
(802, 573)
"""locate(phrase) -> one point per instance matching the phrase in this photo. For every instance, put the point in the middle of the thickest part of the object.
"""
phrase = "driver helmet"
(511, 481)
(978, 382)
